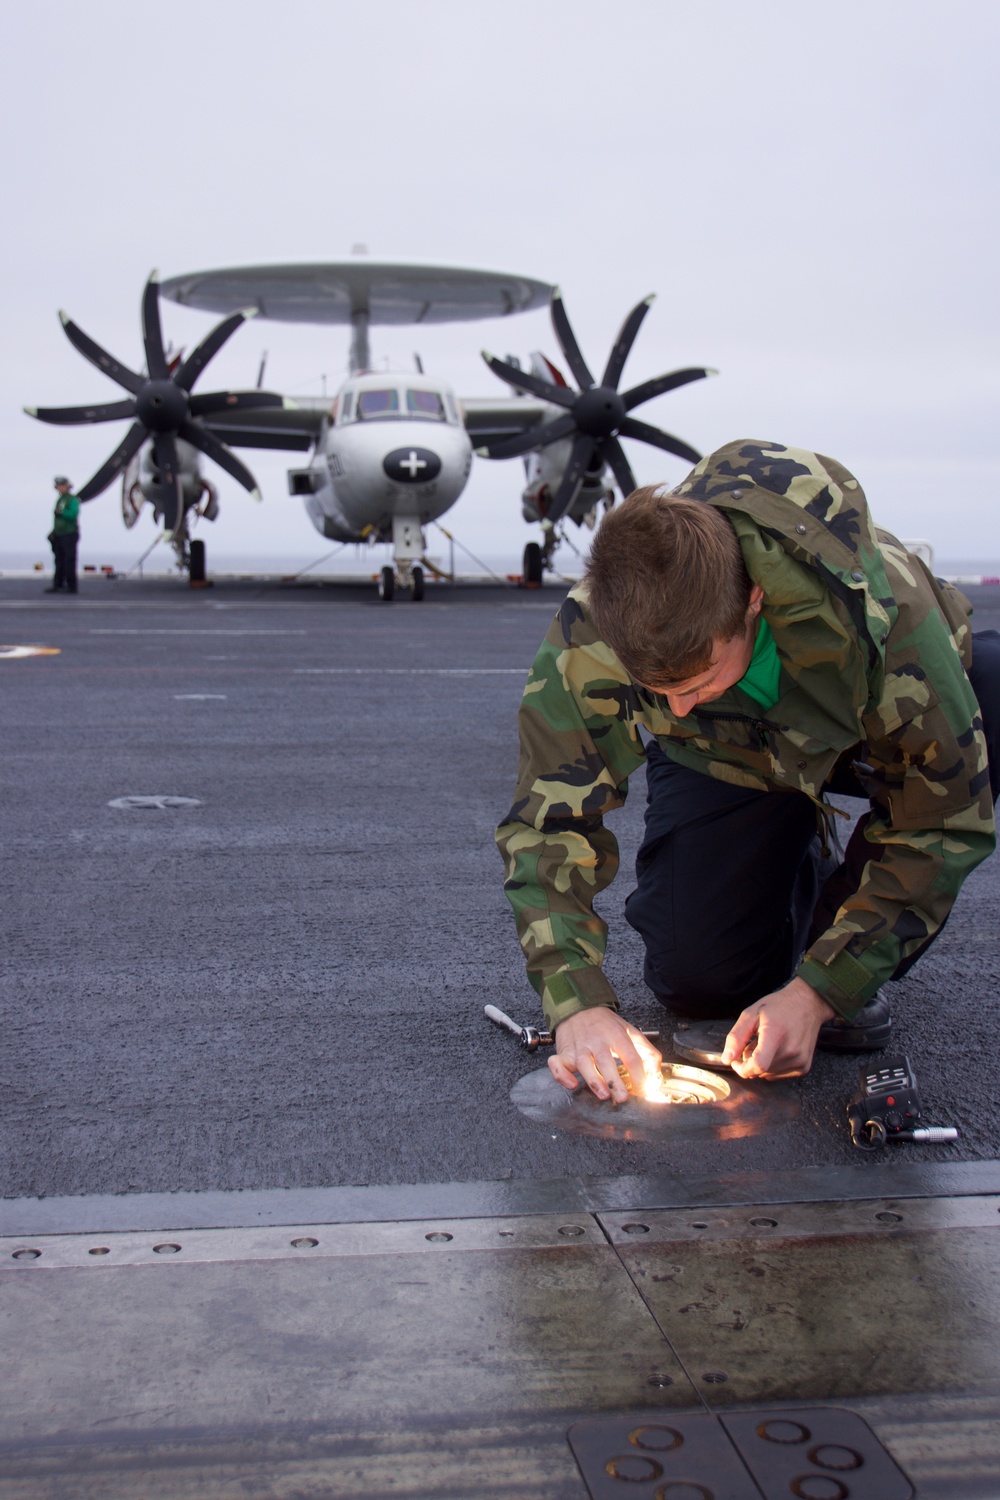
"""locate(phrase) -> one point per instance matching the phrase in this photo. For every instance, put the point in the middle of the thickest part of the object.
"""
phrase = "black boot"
(868, 1031)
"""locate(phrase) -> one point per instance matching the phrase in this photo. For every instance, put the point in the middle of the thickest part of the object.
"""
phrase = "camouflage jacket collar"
(816, 510)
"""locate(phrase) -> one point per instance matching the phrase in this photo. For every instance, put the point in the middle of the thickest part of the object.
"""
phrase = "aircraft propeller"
(162, 407)
(596, 415)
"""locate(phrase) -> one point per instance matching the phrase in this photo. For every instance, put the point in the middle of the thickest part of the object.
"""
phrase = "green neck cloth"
(761, 678)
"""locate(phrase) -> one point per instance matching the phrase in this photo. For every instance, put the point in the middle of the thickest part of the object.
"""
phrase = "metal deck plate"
(814, 1454)
(382, 1359)
(824, 1301)
(448, 1357)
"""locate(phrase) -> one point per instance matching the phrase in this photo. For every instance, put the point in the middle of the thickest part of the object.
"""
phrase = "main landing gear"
(538, 557)
(533, 566)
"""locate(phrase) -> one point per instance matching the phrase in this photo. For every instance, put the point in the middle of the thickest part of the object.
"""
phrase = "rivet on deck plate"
(166, 1249)
(438, 1236)
(783, 1432)
(698, 1224)
(570, 1230)
(660, 1381)
(632, 1466)
(659, 1439)
(885, 1217)
(26, 1255)
(715, 1377)
(819, 1487)
(764, 1223)
(635, 1229)
(834, 1456)
(304, 1244)
(99, 1250)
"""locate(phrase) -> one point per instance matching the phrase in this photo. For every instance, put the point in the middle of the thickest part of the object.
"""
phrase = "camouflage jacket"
(873, 653)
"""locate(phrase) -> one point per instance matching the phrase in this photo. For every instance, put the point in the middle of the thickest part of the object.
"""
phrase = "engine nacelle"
(141, 482)
(545, 471)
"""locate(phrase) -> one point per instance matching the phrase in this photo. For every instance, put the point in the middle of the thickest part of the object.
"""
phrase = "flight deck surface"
(255, 1018)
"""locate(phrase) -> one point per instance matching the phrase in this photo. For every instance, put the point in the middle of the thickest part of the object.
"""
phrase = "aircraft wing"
(490, 418)
(296, 425)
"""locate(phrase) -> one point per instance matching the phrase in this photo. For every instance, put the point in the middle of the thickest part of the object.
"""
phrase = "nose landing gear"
(406, 572)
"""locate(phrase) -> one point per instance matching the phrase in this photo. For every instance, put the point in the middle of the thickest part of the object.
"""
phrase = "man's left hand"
(776, 1037)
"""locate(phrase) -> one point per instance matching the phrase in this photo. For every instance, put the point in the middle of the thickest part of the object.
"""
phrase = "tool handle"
(494, 1014)
(929, 1133)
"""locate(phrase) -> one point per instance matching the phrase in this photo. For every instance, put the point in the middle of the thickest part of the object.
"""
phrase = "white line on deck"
(192, 630)
(413, 671)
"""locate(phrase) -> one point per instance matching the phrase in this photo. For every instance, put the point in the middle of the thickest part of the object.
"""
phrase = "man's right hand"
(588, 1047)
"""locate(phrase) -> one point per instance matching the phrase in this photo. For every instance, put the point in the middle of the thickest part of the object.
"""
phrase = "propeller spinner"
(161, 408)
(596, 415)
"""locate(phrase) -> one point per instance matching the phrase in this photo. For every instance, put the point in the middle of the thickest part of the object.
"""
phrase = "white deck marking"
(191, 630)
(413, 671)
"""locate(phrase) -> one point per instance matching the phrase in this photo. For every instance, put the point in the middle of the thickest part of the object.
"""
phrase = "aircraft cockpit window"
(378, 403)
(425, 404)
(346, 404)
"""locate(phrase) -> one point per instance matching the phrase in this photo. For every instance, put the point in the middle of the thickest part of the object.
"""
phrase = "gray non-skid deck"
(258, 1019)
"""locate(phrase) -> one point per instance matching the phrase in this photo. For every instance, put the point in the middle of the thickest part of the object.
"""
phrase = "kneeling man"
(756, 641)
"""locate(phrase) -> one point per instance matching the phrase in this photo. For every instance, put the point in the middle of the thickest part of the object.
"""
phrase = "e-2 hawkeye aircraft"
(390, 452)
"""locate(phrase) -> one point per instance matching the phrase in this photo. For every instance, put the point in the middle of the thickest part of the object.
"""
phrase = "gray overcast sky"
(810, 188)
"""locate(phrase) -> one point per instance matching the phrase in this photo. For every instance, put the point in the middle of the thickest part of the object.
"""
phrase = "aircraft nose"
(412, 465)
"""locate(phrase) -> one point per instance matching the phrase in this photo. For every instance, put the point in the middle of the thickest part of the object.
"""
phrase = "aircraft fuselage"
(395, 449)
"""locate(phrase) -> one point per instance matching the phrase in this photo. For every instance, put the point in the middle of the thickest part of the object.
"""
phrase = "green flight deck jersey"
(65, 520)
(872, 652)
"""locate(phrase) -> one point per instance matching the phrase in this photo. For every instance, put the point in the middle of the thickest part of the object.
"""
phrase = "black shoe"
(868, 1031)
(55, 589)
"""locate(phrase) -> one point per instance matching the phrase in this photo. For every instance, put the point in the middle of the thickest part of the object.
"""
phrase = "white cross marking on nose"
(413, 463)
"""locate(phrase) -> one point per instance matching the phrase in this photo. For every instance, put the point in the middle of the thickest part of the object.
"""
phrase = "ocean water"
(326, 561)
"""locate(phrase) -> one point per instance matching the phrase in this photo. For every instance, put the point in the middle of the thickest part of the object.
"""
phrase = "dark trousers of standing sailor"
(730, 884)
(64, 552)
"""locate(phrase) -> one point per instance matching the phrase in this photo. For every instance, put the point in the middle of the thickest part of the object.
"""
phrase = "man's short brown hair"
(667, 580)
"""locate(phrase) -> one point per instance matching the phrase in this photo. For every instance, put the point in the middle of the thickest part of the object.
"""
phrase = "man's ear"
(756, 601)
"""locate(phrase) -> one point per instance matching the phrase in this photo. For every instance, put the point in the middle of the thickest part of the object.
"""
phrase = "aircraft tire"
(417, 587)
(387, 584)
(196, 564)
(532, 565)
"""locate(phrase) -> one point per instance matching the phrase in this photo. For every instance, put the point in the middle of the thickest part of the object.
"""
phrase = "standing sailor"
(64, 536)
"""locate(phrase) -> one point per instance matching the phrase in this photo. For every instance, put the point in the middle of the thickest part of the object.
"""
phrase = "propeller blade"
(568, 343)
(104, 361)
(646, 434)
(171, 501)
(152, 335)
(129, 445)
(523, 380)
(532, 437)
(68, 416)
(614, 455)
(660, 383)
(623, 343)
(209, 346)
(224, 401)
(569, 485)
(215, 449)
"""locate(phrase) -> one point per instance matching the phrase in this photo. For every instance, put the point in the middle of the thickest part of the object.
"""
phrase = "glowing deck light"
(680, 1084)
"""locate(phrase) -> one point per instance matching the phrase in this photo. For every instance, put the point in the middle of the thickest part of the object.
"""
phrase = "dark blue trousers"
(731, 887)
